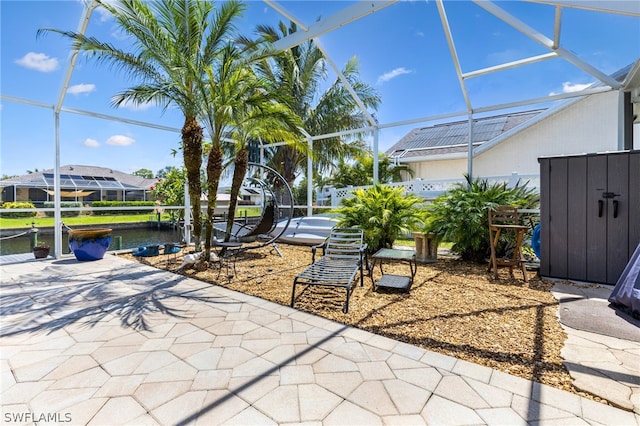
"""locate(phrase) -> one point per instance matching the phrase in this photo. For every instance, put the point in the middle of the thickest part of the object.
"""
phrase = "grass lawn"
(26, 222)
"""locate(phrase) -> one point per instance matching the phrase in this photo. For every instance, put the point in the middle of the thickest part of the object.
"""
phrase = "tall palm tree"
(239, 107)
(298, 72)
(173, 43)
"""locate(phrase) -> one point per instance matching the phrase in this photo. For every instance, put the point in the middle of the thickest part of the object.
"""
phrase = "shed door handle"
(615, 208)
(600, 207)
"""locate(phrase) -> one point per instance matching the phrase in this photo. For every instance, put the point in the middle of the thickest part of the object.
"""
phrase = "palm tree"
(241, 108)
(298, 72)
(384, 214)
(173, 43)
(360, 171)
(388, 172)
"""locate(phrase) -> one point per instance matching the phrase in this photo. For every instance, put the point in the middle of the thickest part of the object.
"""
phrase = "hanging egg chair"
(272, 193)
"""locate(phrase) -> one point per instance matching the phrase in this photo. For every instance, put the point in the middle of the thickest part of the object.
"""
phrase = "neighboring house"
(513, 142)
(248, 196)
(77, 183)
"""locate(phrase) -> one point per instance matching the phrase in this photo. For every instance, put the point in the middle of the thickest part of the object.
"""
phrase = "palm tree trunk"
(242, 158)
(289, 165)
(214, 171)
(192, 150)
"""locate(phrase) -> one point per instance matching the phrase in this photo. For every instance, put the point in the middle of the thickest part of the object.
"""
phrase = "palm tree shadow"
(41, 303)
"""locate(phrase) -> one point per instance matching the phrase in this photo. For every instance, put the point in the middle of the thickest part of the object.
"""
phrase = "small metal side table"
(401, 282)
(227, 253)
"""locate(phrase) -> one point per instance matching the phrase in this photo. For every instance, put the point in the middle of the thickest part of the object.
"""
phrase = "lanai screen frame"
(357, 11)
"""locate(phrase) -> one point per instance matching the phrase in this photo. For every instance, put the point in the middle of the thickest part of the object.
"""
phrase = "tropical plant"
(145, 173)
(460, 216)
(173, 44)
(64, 204)
(162, 173)
(18, 205)
(384, 214)
(299, 72)
(360, 171)
(170, 189)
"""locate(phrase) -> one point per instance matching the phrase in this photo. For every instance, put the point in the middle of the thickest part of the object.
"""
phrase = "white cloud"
(569, 87)
(119, 34)
(38, 61)
(393, 74)
(91, 143)
(120, 140)
(80, 89)
(135, 107)
(103, 14)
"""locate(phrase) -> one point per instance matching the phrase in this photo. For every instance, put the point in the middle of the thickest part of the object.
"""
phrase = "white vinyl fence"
(427, 189)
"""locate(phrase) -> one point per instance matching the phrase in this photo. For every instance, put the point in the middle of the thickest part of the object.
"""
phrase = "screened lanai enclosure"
(430, 63)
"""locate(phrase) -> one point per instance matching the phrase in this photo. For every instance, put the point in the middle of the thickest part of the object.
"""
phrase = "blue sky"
(402, 52)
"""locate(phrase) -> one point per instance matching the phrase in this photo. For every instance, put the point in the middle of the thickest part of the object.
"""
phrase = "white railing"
(427, 189)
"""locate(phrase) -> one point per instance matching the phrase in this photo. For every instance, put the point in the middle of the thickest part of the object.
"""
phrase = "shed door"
(617, 200)
(558, 218)
(576, 218)
(608, 206)
(596, 213)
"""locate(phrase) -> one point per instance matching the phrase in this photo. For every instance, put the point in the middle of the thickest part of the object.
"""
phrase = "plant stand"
(426, 247)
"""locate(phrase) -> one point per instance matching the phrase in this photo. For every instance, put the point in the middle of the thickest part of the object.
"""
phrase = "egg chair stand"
(277, 205)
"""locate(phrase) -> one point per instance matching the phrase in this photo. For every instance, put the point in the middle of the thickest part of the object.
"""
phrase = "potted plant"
(41, 250)
(89, 244)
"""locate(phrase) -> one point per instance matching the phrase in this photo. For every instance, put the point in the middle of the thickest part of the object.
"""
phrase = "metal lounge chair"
(343, 255)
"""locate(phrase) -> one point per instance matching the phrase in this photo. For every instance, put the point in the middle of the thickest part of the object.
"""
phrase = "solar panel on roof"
(455, 134)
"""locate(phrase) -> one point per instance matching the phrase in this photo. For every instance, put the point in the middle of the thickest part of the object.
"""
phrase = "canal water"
(131, 238)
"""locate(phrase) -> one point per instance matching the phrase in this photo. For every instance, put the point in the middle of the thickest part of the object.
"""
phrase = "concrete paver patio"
(117, 342)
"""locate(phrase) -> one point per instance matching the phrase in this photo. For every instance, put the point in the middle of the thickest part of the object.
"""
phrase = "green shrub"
(18, 205)
(383, 213)
(460, 216)
(64, 204)
(122, 204)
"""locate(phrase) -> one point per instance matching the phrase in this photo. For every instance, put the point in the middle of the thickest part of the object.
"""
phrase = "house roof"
(448, 138)
(452, 137)
(85, 177)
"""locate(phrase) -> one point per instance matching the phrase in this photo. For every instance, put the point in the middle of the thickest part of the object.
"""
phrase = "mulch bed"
(454, 307)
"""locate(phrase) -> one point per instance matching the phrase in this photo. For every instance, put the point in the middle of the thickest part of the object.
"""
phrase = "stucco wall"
(589, 125)
(442, 169)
